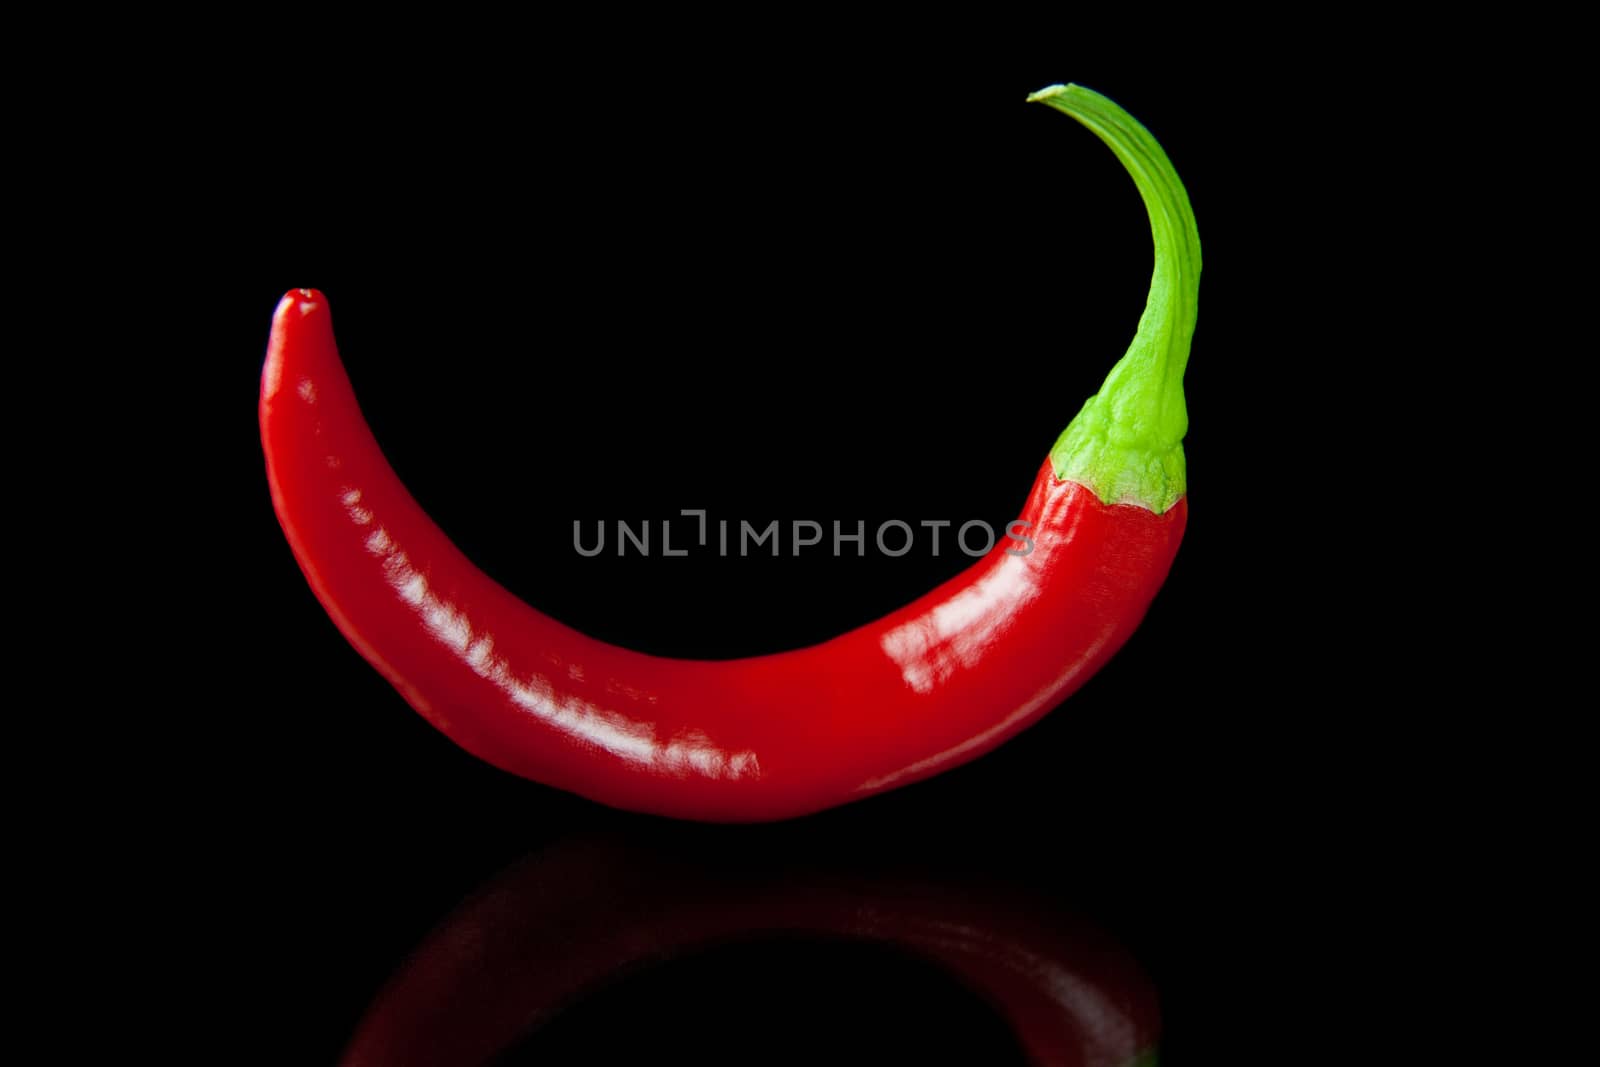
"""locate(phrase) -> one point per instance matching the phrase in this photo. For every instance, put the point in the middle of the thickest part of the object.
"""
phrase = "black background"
(841, 287)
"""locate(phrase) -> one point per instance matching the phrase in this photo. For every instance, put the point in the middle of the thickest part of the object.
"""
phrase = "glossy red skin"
(557, 927)
(939, 682)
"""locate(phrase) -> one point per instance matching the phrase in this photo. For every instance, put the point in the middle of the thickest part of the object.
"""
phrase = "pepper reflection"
(564, 923)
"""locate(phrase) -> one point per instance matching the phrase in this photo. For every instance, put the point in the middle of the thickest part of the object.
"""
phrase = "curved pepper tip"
(304, 300)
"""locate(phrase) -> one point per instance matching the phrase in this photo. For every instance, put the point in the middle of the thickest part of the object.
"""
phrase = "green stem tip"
(1127, 443)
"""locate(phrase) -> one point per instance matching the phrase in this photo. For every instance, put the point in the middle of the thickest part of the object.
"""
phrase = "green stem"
(1127, 442)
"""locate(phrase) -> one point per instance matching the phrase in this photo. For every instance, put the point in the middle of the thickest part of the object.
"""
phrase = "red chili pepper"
(557, 927)
(930, 686)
